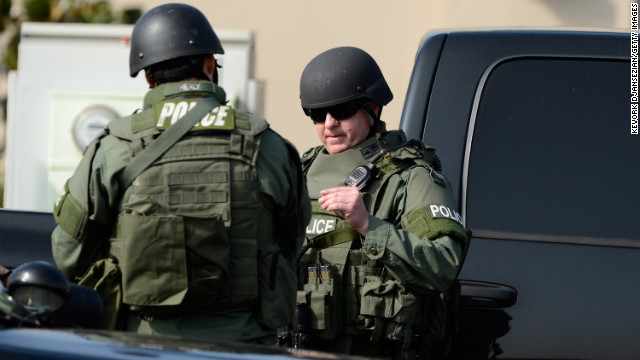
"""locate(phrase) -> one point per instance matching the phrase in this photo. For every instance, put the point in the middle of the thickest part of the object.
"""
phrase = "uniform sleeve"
(422, 246)
(84, 211)
(281, 183)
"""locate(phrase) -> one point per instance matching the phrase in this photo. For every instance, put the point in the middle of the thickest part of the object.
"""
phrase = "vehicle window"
(552, 153)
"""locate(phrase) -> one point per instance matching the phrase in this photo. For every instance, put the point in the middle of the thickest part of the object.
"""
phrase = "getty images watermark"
(634, 68)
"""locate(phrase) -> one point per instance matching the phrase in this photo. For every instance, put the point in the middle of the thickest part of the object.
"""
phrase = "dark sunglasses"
(338, 112)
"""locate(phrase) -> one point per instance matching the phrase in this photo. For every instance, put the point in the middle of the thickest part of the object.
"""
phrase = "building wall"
(289, 33)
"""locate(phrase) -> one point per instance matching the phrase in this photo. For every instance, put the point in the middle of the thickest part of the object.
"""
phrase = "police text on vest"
(175, 111)
(321, 226)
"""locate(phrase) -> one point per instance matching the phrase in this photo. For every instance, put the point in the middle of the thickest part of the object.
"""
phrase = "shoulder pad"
(312, 152)
(121, 128)
(142, 120)
(308, 157)
(249, 124)
(421, 153)
(412, 153)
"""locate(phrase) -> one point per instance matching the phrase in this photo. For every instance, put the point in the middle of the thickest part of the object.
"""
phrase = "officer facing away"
(385, 243)
(204, 235)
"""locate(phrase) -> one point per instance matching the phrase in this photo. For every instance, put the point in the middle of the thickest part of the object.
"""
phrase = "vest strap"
(333, 238)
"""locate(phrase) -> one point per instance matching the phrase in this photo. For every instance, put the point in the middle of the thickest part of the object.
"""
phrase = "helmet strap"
(214, 78)
(376, 117)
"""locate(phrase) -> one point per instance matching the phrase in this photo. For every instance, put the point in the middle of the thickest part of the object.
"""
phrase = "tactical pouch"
(322, 272)
(358, 274)
(106, 279)
(277, 286)
(321, 299)
(154, 266)
(155, 262)
(389, 310)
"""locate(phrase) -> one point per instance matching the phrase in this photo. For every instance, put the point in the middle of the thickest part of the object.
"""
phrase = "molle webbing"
(240, 147)
(165, 141)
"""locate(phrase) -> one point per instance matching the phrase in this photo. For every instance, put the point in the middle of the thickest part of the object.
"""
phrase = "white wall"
(291, 32)
(72, 79)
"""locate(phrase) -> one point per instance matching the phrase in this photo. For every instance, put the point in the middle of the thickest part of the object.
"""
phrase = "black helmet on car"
(340, 75)
(39, 286)
(168, 32)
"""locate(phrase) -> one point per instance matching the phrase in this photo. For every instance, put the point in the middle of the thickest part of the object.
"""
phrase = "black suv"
(534, 131)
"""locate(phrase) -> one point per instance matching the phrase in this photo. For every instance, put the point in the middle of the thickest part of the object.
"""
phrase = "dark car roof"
(37, 344)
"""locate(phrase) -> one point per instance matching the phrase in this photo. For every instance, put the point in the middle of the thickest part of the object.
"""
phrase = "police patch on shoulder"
(168, 112)
(441, 211)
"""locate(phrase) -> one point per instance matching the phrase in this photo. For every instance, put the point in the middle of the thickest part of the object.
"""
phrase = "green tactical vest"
(346, 291)
(194, 214)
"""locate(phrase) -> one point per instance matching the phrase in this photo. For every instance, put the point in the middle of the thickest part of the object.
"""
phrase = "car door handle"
(479, 294)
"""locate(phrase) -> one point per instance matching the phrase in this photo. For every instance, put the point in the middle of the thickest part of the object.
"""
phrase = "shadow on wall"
(597, 13)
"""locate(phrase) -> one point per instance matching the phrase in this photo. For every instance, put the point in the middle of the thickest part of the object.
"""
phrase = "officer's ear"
(374, 106)
(209, 67)
(151, 82)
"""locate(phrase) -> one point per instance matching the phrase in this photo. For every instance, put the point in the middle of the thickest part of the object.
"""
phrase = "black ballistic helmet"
(39, 285)
(170, 31)
(342, 74)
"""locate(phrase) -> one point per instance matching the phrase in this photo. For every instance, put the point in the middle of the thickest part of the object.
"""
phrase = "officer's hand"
(348, 202)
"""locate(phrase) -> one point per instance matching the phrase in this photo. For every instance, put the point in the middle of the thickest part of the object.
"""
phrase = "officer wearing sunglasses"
(385, 243)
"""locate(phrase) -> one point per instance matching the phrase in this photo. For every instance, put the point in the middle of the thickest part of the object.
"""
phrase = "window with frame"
(551, 152)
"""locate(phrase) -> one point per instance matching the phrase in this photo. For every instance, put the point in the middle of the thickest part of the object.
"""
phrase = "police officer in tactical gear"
(385, 243)
(201, 227)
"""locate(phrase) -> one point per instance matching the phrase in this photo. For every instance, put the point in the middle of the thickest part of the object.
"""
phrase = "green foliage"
(96, 12)
(11, 52)
(38, 10)
(5, 7)
(76, 11)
